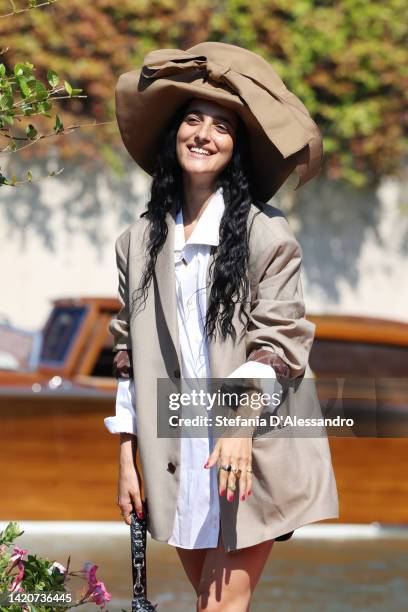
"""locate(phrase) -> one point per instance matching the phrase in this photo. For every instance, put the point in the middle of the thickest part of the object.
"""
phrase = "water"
(305, 574)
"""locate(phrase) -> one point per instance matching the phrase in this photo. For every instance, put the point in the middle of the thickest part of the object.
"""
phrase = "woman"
(209, 281)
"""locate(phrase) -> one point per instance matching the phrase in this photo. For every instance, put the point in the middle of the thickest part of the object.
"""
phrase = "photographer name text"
(258, 421)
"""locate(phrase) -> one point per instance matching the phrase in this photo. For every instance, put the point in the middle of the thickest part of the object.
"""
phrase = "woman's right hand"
(129, 498)
(129, 493)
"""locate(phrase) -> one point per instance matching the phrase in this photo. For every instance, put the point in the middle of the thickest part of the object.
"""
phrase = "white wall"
(57, 239)
(355, 247)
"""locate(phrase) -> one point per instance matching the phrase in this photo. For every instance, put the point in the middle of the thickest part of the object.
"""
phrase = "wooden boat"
(58, 461)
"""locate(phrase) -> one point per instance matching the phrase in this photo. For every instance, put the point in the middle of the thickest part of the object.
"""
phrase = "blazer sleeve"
(277, 314)
(119, 324)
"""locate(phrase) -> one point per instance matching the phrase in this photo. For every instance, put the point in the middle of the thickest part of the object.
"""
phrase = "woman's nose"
(204, 131)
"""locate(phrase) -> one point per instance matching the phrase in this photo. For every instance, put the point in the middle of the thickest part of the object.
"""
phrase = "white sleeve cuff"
(253, 369)
(256, 369)
(125, 420)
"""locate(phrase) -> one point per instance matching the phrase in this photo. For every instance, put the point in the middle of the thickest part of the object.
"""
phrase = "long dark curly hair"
(230, 276)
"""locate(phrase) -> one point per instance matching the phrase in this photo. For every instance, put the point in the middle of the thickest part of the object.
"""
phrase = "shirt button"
(171, 467)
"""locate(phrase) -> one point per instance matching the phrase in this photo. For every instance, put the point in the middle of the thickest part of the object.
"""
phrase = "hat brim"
(143, 115)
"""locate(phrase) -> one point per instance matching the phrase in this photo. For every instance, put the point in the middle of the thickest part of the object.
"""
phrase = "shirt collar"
(208, 226)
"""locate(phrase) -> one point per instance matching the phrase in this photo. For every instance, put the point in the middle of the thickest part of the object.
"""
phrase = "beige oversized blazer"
(293, 479)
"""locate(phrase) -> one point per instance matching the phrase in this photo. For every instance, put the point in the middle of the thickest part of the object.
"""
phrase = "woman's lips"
(199, 155)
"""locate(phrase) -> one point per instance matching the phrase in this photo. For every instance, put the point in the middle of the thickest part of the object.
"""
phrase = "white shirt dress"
(197, 518)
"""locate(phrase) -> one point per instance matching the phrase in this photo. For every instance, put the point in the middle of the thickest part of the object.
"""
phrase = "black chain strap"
(138, 532)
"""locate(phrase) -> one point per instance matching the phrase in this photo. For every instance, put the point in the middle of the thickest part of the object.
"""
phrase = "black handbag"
(138, 533)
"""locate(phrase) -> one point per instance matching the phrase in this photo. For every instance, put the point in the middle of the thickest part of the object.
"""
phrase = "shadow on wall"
(77, 201)
(332, 220)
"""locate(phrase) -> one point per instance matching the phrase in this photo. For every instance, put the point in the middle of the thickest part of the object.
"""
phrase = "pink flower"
(100, 595)
(18, 554)
(90, 571)
(16, 560)
(16, 584)
(96, 589)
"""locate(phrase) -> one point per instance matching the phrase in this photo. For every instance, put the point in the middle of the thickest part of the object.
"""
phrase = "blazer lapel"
(166, 282)
(224, 356)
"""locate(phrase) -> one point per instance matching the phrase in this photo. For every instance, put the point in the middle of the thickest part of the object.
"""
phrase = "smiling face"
(205, 139)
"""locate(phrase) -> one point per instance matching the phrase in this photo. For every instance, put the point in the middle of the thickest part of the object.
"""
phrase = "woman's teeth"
(199, 151)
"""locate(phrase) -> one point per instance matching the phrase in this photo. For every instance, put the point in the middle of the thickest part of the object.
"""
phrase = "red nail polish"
(230, 498)
(222, 492)
(242, 497)
(249, 492)
(206, 465)
(140, 515)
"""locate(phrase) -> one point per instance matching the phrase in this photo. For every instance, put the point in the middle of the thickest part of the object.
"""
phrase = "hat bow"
(170, 62)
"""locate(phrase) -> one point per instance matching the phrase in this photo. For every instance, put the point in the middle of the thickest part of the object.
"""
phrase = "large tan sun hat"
(281, 133)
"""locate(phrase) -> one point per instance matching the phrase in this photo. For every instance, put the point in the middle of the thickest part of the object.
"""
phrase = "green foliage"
(42, 578)
(347, 61)
(10, 533)
(23, 95)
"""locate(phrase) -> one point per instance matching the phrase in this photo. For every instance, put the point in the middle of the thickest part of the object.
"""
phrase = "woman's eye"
(222, 127)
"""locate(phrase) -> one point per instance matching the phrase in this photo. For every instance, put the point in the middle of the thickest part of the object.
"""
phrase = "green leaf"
(31, 132)
(40, 90)
(28, 109)
(10, 533)
(8, 119)
(68, 88)
(29, 176)
(6, 87)
(19, 69)
(59, 126)
(52, 78)
(6, 101)
(2, 70)
(25, 69)
(25, 90)
(76, 91)
(43, 107)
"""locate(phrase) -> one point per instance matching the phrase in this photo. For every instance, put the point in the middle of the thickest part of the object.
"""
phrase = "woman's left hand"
(236, 452)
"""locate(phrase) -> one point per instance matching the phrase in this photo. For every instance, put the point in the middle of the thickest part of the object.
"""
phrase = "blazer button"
(171, 467)
(177, 373)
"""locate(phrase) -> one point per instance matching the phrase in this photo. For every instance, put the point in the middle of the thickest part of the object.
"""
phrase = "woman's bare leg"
(192, 562)
(228, 580)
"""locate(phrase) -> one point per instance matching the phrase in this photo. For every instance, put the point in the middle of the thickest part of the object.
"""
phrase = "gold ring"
(249, 470)
(231, 487)
(236, 471)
